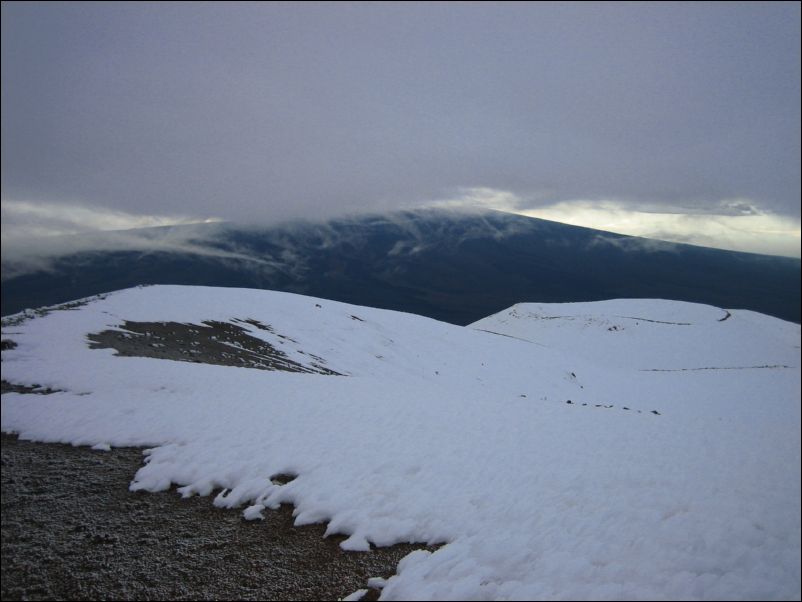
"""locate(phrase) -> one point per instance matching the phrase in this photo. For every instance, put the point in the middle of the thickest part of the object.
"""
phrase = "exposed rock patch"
(212, 342)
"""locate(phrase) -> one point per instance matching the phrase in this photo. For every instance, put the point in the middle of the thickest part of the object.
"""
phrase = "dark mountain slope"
(449, 266)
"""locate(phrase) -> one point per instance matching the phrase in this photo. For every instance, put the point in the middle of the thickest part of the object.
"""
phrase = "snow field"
(443, 434)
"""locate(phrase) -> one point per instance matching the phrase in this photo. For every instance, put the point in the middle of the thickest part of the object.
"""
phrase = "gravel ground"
(71, 529)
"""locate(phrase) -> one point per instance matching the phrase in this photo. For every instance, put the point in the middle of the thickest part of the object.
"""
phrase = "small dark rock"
(283, 478)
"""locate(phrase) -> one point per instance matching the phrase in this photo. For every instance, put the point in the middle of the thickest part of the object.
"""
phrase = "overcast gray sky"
(268, 111)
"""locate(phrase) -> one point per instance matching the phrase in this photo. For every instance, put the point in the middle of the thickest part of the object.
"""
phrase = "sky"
(678, 121)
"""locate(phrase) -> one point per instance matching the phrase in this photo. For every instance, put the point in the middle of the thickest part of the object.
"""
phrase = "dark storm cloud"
(269, 111)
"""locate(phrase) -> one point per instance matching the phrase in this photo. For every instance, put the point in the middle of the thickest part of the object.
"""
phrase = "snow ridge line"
(778, 366)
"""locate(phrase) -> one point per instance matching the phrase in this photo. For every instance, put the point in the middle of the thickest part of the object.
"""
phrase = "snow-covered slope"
(621, 449)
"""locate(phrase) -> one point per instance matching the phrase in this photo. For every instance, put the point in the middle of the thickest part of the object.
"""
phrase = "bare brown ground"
(71, 530)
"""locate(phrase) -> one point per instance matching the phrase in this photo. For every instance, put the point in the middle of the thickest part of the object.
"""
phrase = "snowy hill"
(618, 449)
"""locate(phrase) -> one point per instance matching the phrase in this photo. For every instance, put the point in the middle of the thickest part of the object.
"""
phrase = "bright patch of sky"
(755, 233)
(736, 225)
(54, 219)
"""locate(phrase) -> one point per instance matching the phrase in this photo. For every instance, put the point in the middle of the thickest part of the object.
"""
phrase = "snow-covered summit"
(652, 333)
(619, 449)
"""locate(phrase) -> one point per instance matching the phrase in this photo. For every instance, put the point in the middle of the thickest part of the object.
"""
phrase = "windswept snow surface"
(674, 471)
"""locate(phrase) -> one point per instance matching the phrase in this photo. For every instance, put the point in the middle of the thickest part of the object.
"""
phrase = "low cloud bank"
(730, 224)
(35, 235)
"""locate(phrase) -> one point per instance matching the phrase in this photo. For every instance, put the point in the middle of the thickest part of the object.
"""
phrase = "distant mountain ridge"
(455, 267)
